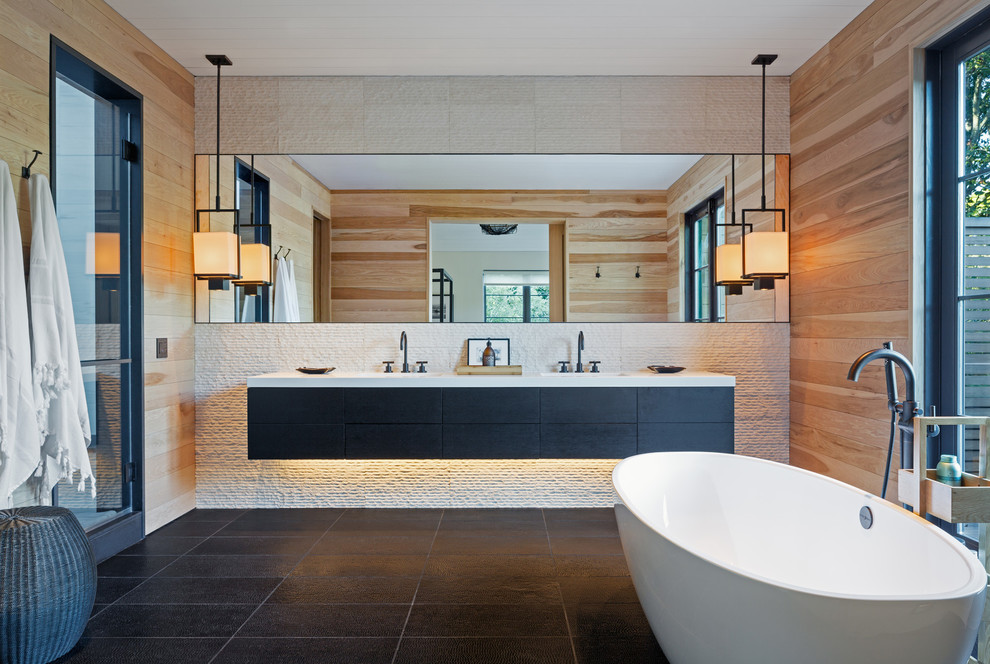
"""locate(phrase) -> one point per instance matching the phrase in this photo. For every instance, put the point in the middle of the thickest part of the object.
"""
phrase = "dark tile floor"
(371, 586)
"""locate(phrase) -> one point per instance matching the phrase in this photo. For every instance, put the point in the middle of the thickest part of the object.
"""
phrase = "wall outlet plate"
(161, 350)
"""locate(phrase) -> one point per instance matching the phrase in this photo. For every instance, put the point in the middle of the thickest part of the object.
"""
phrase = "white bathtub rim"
(978, 576)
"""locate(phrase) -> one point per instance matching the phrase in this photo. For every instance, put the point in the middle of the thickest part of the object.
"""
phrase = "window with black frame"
(704, 301)
(517, 296)
(957, 329)
(252, 195)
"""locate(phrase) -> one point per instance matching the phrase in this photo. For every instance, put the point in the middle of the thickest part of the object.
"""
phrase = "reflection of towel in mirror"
(286, 300)
(58, 382)
(20, 444)
(293, 294)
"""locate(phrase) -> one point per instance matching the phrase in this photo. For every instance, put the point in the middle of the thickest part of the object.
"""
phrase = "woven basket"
(47, 584)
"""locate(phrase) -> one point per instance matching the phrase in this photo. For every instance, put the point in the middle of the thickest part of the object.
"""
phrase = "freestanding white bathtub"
(743, 561)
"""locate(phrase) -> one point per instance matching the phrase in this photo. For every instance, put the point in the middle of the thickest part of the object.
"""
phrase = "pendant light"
(765, 254)
(256, 257)
(216, 254)
(728, 257)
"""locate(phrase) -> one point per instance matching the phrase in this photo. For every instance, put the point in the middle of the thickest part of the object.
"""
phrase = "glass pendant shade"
(765, 254)
(215, 255)
(103, 254)
(256, 265)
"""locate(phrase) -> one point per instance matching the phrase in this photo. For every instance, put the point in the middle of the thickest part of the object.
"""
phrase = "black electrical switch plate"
(162, 350)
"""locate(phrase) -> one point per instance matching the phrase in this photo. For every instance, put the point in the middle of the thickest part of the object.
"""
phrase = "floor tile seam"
(277, 586)
(560, 591)
(422, 575)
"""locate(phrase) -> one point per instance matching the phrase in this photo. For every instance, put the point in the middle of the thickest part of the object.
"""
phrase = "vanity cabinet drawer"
(491, 405)
(686, 437)
(393, 405)
(393, 441)
(491, 441)
(587, 441)
(697, 404)
(310, 405)
(295, 441)
(587, 404)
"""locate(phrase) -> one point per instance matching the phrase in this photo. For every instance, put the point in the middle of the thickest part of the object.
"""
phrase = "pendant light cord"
(218, 135)
(763, 144)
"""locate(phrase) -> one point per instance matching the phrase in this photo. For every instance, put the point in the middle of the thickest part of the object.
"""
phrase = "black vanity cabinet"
(579, 422)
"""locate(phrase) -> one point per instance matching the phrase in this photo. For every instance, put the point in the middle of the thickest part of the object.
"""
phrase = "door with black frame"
(96, 183)
(957, 330)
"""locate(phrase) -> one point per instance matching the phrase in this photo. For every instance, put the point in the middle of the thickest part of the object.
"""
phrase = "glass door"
(96, 183)
(958, 325)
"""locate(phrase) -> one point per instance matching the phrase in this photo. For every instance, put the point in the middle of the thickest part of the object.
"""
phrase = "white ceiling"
(468, 237)
(489, 37)
(497, 171)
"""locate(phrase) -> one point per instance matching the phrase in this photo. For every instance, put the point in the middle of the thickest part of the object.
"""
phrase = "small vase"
(948, 470)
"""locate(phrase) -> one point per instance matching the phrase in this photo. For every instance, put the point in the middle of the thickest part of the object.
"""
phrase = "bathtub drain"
(866, 517)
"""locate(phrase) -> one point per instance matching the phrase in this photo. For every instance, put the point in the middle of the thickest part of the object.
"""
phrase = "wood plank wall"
(709, 175)
(100, 34)
(295, 197)
(851, 249)
(380, 238)
(615, 248)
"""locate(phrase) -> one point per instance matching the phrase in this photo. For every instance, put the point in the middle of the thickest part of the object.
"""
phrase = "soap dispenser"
(488, 355)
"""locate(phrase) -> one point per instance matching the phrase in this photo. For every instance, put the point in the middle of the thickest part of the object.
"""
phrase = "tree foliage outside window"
(976, 133)
(506, 304)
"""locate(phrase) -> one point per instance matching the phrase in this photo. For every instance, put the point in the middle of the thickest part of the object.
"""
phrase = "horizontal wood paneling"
(380, 258)
(100, 34)
(851, 283)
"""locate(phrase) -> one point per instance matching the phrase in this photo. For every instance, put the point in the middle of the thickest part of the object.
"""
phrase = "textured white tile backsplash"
(226, 354)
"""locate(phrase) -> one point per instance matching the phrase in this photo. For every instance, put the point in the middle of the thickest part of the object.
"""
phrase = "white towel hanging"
(20, 441)
(58, 383)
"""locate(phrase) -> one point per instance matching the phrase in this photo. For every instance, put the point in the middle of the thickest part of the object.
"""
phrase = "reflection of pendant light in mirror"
(256, 257)
(103, 259)
(765, 253)
(728, 257)
(216, 254)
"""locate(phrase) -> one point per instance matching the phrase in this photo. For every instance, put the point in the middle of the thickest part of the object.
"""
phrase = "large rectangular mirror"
(485, 238)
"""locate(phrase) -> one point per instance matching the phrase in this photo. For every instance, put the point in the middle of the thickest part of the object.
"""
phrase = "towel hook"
(26, 170)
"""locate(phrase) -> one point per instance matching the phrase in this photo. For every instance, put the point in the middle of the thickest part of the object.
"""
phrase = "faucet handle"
(422, 366)
(388, 365)
(564, 366)
(594, 365)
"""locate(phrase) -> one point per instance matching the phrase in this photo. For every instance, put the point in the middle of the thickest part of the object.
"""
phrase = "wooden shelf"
(969, 503)
(511, 370)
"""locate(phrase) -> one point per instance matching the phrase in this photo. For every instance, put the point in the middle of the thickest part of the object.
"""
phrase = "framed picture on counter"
(477, 346)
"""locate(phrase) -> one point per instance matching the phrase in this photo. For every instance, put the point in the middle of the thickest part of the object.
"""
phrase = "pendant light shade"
(766, 255)
(728, 268)
(215, 255)
(256, 265)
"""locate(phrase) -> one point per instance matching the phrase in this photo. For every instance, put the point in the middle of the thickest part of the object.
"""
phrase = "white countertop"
(605, 379)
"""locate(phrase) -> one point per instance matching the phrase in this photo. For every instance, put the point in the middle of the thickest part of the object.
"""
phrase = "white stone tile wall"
(492, 114)
(227, 354)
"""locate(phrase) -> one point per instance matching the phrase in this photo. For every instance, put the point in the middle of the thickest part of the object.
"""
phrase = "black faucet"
(904, 412)
(909, 408)
(580, 367)
(404, 347)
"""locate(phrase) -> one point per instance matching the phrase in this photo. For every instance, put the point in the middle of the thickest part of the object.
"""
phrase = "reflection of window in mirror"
(517, 296)
(705, 300)
(477, 276)
(252, 200)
